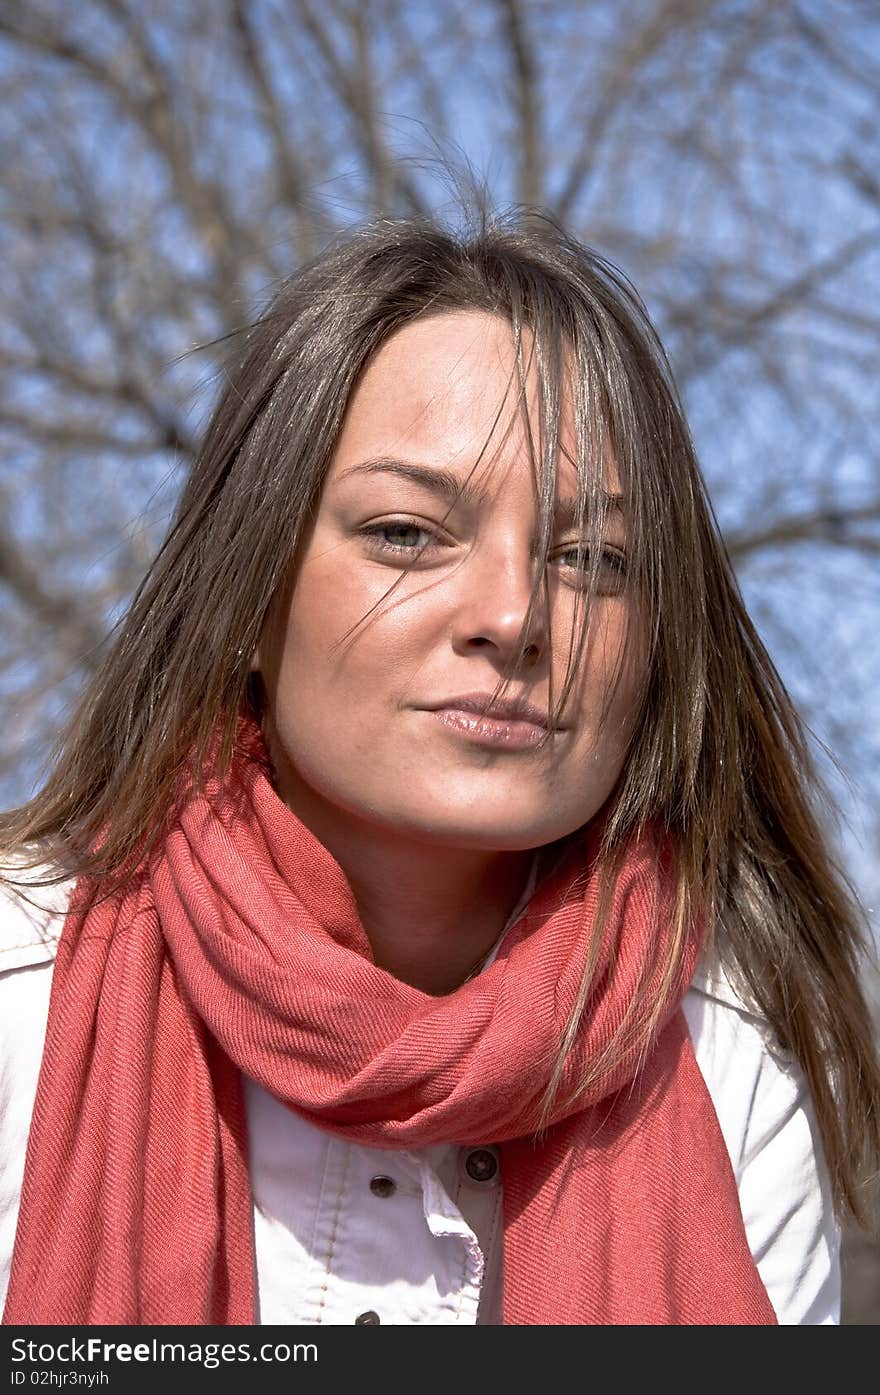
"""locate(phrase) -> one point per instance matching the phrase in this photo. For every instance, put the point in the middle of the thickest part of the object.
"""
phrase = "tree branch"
(830, 525)
(356, 92)
(291, 176)
(79, 635)
(525, 68)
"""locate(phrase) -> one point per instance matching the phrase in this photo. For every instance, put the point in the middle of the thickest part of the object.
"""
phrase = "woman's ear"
(255, 664)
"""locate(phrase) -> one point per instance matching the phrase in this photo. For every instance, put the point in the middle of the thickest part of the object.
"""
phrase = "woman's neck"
(431, 913)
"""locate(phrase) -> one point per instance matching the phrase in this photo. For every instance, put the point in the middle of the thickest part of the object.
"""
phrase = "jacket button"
(383, 1186)
(481, 1165)
(369, 1319)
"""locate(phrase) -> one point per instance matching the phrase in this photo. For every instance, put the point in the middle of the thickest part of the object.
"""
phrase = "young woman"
(441, 929)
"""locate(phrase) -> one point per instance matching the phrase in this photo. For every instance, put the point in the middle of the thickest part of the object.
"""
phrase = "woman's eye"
(400, 538)
(612, 564)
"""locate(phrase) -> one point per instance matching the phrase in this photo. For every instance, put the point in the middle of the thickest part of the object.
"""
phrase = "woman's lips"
(490, 731)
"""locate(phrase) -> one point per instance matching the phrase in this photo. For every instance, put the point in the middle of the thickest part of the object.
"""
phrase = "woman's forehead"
(448, 390)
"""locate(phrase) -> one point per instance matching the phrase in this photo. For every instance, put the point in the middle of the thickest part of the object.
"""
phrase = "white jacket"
(346, 1234)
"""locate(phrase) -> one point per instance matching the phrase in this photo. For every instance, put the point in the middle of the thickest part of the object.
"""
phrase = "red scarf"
(238, 948)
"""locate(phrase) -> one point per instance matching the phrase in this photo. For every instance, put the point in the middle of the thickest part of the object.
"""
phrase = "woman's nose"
(494, 600)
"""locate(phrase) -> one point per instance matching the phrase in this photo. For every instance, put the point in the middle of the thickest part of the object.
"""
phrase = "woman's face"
(353, 723)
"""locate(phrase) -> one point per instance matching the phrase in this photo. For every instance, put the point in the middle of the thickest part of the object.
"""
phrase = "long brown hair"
(719, 755)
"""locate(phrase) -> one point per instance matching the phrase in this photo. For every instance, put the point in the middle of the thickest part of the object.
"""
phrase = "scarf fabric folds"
(237, 948)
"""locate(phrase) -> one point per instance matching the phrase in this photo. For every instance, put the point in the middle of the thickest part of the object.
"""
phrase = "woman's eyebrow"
(456, 491)
(442, 482)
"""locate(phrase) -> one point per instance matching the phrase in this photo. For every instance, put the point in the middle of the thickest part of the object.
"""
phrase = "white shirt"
(346, 1233)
